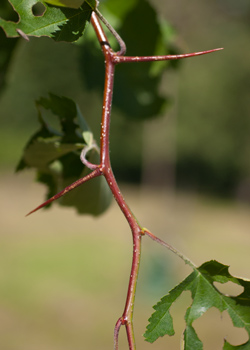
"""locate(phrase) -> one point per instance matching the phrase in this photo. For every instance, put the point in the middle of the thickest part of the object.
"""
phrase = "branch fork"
(112, 58)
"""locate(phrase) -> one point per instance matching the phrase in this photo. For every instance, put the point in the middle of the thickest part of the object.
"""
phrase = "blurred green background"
(63, 277)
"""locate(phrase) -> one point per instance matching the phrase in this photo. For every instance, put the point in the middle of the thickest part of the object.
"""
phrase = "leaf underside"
(54, 151)
(59, 23)
(204, 295)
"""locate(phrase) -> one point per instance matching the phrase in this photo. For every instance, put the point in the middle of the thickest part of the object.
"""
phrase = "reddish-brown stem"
(106, 169)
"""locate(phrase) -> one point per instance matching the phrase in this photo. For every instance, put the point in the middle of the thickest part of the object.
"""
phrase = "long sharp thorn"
(121, 59)
(199, 53)
(67, 189)
(50, 200)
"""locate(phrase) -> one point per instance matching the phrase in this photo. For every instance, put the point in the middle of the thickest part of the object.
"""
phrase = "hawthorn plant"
(68, 156)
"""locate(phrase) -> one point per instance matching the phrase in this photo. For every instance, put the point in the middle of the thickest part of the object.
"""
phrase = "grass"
(63, 278)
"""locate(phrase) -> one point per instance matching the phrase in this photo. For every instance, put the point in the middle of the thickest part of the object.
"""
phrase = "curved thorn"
(67, 189)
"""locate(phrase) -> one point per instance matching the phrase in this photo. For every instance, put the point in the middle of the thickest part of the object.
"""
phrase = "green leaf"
(144, 100)
(75, 4)
(161, 322)
(7, 46)
(121, 8)
(54, 151)
(72, 3)
(191, 340)
(228, 346)
(205, 295)
(59, 23)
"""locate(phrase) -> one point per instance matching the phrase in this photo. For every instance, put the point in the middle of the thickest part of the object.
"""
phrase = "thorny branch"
(112, 58)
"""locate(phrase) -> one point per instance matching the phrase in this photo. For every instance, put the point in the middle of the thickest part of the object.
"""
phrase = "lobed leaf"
(59, 23)
(54, 151)
(205, 295)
